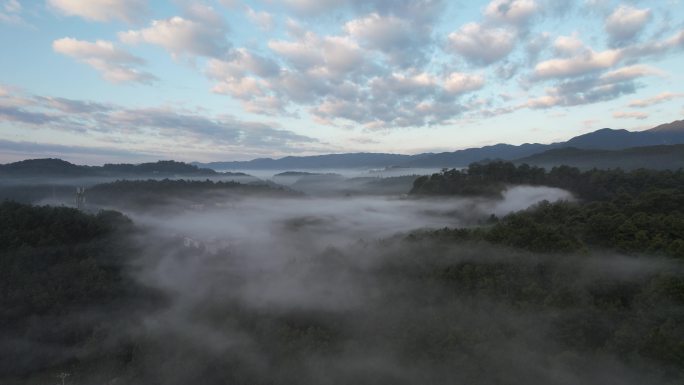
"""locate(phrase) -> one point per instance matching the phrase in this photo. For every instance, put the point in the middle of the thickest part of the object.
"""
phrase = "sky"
(97, 81)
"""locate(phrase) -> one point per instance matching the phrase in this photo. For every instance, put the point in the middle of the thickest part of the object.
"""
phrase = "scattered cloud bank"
(377, 65)
(117, 127)
(200, 32)
(115, 64)
(102, 10)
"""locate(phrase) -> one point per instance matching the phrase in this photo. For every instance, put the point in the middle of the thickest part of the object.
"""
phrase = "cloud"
(325, 56)
(20, 115)
(202, 32)
(35, 149)
(580, 64)
(262, 19)
(313, 7)
(73, 106)
(458, 83)
(142, 125)
(580, 60)
(516, 12)
(188, 126)
(420, 10)
(660, 98)
(402, 40)
(625, 23)
(568, 45)
(470, 39)
(115, 64)
(630, 115)
(241, 76)
(655, 47)
(10, 12)
(402, 100)
(631, 72)
(102, 10)
(536, 45)
(593, 88)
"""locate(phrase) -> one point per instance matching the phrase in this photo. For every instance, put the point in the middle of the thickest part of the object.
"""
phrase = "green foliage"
(652, 223)
(55, 262)
(593, 185)
(156, 193)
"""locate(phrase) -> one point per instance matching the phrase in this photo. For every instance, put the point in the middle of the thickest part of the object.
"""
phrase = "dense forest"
(147, 194)
(491, 178)
(588, 291)
(61, 273)
(640, 211)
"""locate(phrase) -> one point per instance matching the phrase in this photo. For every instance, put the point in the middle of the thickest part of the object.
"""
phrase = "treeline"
(61, 280)
(60, 168)
(640, 211)
(652, 223)
(593, 185)
(151, 193)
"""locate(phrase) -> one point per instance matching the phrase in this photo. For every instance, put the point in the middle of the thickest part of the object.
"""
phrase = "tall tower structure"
(80, 198)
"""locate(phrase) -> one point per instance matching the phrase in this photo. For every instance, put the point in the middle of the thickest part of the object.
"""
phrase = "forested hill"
(58, 264)
(662, 157)
(592, 185)
(60, 168)
(151, 194)
(638, 211)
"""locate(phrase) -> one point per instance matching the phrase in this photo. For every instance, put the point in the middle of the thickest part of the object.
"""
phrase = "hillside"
(653, 157)
(61, 168)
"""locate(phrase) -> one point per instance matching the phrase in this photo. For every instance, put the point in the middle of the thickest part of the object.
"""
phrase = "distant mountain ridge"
(603, 139)
(651, 157)
(61, 168)
(602, 148)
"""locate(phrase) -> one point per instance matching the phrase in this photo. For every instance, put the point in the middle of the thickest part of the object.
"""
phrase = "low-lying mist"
(334, 221)
(323, 291)
(332, 290)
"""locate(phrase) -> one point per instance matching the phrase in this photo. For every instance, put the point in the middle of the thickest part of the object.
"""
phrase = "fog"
(326, 221)
(321, 290)
(345, 172)
(326, 288)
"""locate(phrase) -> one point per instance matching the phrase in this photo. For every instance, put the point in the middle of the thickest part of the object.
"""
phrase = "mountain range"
(603, 139)
(661, 147)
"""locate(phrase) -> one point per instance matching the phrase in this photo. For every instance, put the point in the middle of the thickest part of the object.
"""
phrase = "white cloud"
(626, 22)
(655, 47)
(10, 12)
(630, 115)
(517, 12)
(594, 88)
(102, 10)
(458, 83)
(310, 7)
(325, 56)
(115, 64)
(585, 62)
(11, 6)
(631, 72)
(379, 32)
(146, 127)
(568, 45)
(660, 98)
(201, 33)
(262, 19)
(482, 45)
(401, 39)
(242, 62)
